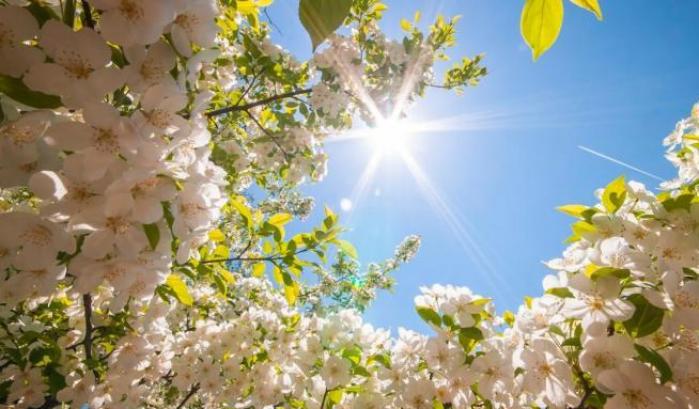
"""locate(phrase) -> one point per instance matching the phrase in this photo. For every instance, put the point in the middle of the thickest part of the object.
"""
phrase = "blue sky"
(617, 87)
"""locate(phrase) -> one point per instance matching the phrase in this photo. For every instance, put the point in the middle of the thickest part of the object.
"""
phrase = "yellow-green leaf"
(540, 24)
(574, 210)
(280, 219)
(216, 235)
(258, 269)
(590, 5)
(180, 289)
(405, 25)
(244, 211)
(321, 18)
(347, 248)
(509, 318)
(614, 194)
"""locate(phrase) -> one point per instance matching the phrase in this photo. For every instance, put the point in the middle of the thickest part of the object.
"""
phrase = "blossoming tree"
(139, 270)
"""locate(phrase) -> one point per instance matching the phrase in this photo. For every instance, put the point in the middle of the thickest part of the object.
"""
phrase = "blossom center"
(37, 235)
(118, 225)
(143, 188)
(21, 135)
(686, 300)
(545, 370)
(159, 118)
(691, 383)
(603, 360)
(187, 22)
(106, 141)
(76, 66)
(595, 303)
(636, 399)
(131, 10)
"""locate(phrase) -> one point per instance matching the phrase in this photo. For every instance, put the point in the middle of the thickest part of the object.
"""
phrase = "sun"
(389, 135)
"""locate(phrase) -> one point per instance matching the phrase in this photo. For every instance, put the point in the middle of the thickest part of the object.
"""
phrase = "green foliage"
(15, 89)
(646, 319)
(322, 17)
(595, 272)
(467, 73)
(152, 232)
(614, 194)
(469, 337)
(656, 361)
(179, 289)
(429, 315)
(560, 292)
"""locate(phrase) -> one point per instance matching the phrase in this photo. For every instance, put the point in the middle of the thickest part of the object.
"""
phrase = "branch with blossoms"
(247, 107)
(123, 202)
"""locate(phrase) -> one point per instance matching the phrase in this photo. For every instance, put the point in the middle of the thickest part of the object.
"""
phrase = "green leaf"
(594, 272)
(153, 233)
(216, 235)
(614, 194)
(575, 210)
(509, 318)
(41, 12)
(15, 89)
(384, 359)
(429, 316)
(571, 342)
(646, 319)
(347, 248)
(243, 210)
(560, 292)
(280, 219)
(540, 24)
(179, 288)
(656, 360)
(258, 269)
(353, 353)
(69, 13)
(469, 337)
(590, 5)
(334, 397)
(321, 18)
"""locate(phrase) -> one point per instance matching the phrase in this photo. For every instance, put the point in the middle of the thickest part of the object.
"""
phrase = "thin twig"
(189, 395)
(268, 133)
(87, 14)
(271, 22)
(325, 395)
(238, 108)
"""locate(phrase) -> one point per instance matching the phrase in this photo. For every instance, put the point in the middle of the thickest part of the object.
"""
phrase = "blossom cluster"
(106, 178)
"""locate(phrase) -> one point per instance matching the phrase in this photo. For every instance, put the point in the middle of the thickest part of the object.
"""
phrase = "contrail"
(618, 162)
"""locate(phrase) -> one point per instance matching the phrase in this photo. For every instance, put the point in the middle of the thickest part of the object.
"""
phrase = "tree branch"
(246, 107)
(189, 395)
(270, 258)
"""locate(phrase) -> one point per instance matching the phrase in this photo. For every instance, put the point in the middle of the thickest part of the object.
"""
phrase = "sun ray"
(361, 187)
(457, 224)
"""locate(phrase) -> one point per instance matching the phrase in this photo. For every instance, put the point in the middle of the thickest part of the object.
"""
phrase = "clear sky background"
(616, 87)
